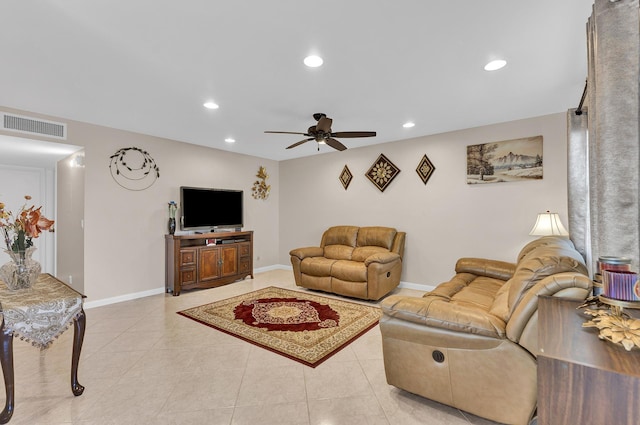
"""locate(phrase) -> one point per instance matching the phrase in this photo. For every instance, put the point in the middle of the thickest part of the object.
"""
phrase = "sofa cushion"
(361, 253)
(338, 252)
(469, 289)
(376, 236)
(352, 271)
(340, 235)
(316, 266)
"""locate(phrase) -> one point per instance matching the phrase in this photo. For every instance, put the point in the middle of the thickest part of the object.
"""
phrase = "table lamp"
(548, 223)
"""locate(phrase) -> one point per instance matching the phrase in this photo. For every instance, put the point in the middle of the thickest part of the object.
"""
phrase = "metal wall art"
(425, 169)
(382, 172)
(346, 177)
(133, 168)
(261, 189)
(511, 160)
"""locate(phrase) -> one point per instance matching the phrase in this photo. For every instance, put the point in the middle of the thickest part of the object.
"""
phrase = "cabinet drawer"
(188, 276)
(244, 265)
(187, 257)
(244, 250)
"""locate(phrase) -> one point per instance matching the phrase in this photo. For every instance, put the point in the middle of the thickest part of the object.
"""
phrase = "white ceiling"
(148, 66)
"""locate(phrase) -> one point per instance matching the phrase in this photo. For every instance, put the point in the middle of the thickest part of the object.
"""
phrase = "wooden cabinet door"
(209, 264)
(229, 263)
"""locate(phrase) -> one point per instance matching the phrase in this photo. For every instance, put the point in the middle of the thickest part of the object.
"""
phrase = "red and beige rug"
(304, 327)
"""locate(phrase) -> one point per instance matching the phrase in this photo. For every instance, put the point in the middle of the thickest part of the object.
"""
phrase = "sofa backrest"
(338, 242)
(546, 259)
(376, 236)
(358, 243)
(539, 259)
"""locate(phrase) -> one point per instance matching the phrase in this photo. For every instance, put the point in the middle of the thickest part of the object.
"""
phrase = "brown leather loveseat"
(360, 262)
(471, 343)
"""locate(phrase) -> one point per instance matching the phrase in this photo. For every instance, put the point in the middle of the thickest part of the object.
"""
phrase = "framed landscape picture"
(506, 161)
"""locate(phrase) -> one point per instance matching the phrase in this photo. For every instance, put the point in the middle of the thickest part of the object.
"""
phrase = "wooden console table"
(39, 315)
(207, 260)
(582, 379)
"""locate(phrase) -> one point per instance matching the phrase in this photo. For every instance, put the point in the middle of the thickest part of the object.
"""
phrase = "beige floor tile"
(336, 380)
(273, 385)
(142, 363)
(278, 414)
(348, 410)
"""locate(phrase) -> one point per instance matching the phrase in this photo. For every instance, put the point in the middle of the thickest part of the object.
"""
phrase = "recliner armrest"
(382, 258)
(483, 267)
(311, 251)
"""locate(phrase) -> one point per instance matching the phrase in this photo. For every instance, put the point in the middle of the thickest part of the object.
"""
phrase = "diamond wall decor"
(425, 169)
(382, 172)
(346, 177)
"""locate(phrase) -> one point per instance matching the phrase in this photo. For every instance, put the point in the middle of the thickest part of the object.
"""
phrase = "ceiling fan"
(321, 133)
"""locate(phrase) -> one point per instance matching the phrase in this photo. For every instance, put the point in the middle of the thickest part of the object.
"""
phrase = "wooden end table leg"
(6, 359)
(79, 325)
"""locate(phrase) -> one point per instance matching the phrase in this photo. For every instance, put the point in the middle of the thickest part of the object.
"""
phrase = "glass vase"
(22, 271)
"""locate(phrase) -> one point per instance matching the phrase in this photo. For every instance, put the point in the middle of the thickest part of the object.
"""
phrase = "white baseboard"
(128, 297)
(121, 298)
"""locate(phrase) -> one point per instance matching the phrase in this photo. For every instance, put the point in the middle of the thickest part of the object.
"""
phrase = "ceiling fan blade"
(346, 134)
(335, 144)
(285, 132)
(324, 124)
(299, 143)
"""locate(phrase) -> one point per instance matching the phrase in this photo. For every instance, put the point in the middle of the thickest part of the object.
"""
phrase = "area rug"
(304, 327)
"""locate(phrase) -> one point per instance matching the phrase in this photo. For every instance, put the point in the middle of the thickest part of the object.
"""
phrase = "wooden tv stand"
(192, 263)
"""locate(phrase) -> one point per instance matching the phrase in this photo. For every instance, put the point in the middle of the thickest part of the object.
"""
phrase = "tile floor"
(144, 364)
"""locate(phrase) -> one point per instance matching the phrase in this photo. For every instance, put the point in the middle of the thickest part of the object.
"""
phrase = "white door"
(15, 183)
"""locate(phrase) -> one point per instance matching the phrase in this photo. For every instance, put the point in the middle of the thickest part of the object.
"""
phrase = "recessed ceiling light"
(495, 65)
(408, 124)
(230, 140)
(211, 105)
(313, 61)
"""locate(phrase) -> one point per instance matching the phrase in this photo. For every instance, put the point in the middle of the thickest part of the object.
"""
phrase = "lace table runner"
(41, 313)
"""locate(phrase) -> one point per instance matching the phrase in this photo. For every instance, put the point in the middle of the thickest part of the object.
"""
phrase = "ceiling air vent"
(22, 124)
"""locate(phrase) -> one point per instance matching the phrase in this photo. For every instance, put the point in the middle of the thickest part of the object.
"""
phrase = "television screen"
(207, 209)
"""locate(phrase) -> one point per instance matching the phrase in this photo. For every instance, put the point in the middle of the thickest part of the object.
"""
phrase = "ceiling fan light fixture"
(495, 65)
(211, 105)
(313, 61)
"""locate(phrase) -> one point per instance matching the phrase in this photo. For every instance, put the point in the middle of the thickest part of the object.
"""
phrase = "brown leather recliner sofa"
(471, 343)
(360, 262)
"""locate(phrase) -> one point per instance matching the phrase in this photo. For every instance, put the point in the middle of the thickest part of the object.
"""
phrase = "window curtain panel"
(604, 142)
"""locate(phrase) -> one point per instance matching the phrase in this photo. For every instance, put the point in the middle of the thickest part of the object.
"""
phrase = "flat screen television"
(209, 209)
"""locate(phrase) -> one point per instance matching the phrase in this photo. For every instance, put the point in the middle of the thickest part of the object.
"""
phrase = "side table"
(39, 315)
(582, 379)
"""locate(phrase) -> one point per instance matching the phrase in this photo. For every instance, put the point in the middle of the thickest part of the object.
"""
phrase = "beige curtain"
(604, 143)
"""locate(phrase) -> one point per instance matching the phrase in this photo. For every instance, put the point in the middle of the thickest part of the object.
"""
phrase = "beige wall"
(70, 220)
(444, 220)
(124, 230)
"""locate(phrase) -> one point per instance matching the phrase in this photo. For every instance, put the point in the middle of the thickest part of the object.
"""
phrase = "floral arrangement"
(19, 230)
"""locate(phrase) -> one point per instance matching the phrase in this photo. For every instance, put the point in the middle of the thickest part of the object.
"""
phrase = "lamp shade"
(548, 223)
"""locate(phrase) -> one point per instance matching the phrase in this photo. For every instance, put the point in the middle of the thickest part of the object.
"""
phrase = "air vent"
(22, 124)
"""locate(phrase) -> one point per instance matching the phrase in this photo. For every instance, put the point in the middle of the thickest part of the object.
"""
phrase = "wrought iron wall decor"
(261, 189)
(133, 168)
(345, 177)
(425, 169)
(382, 172)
